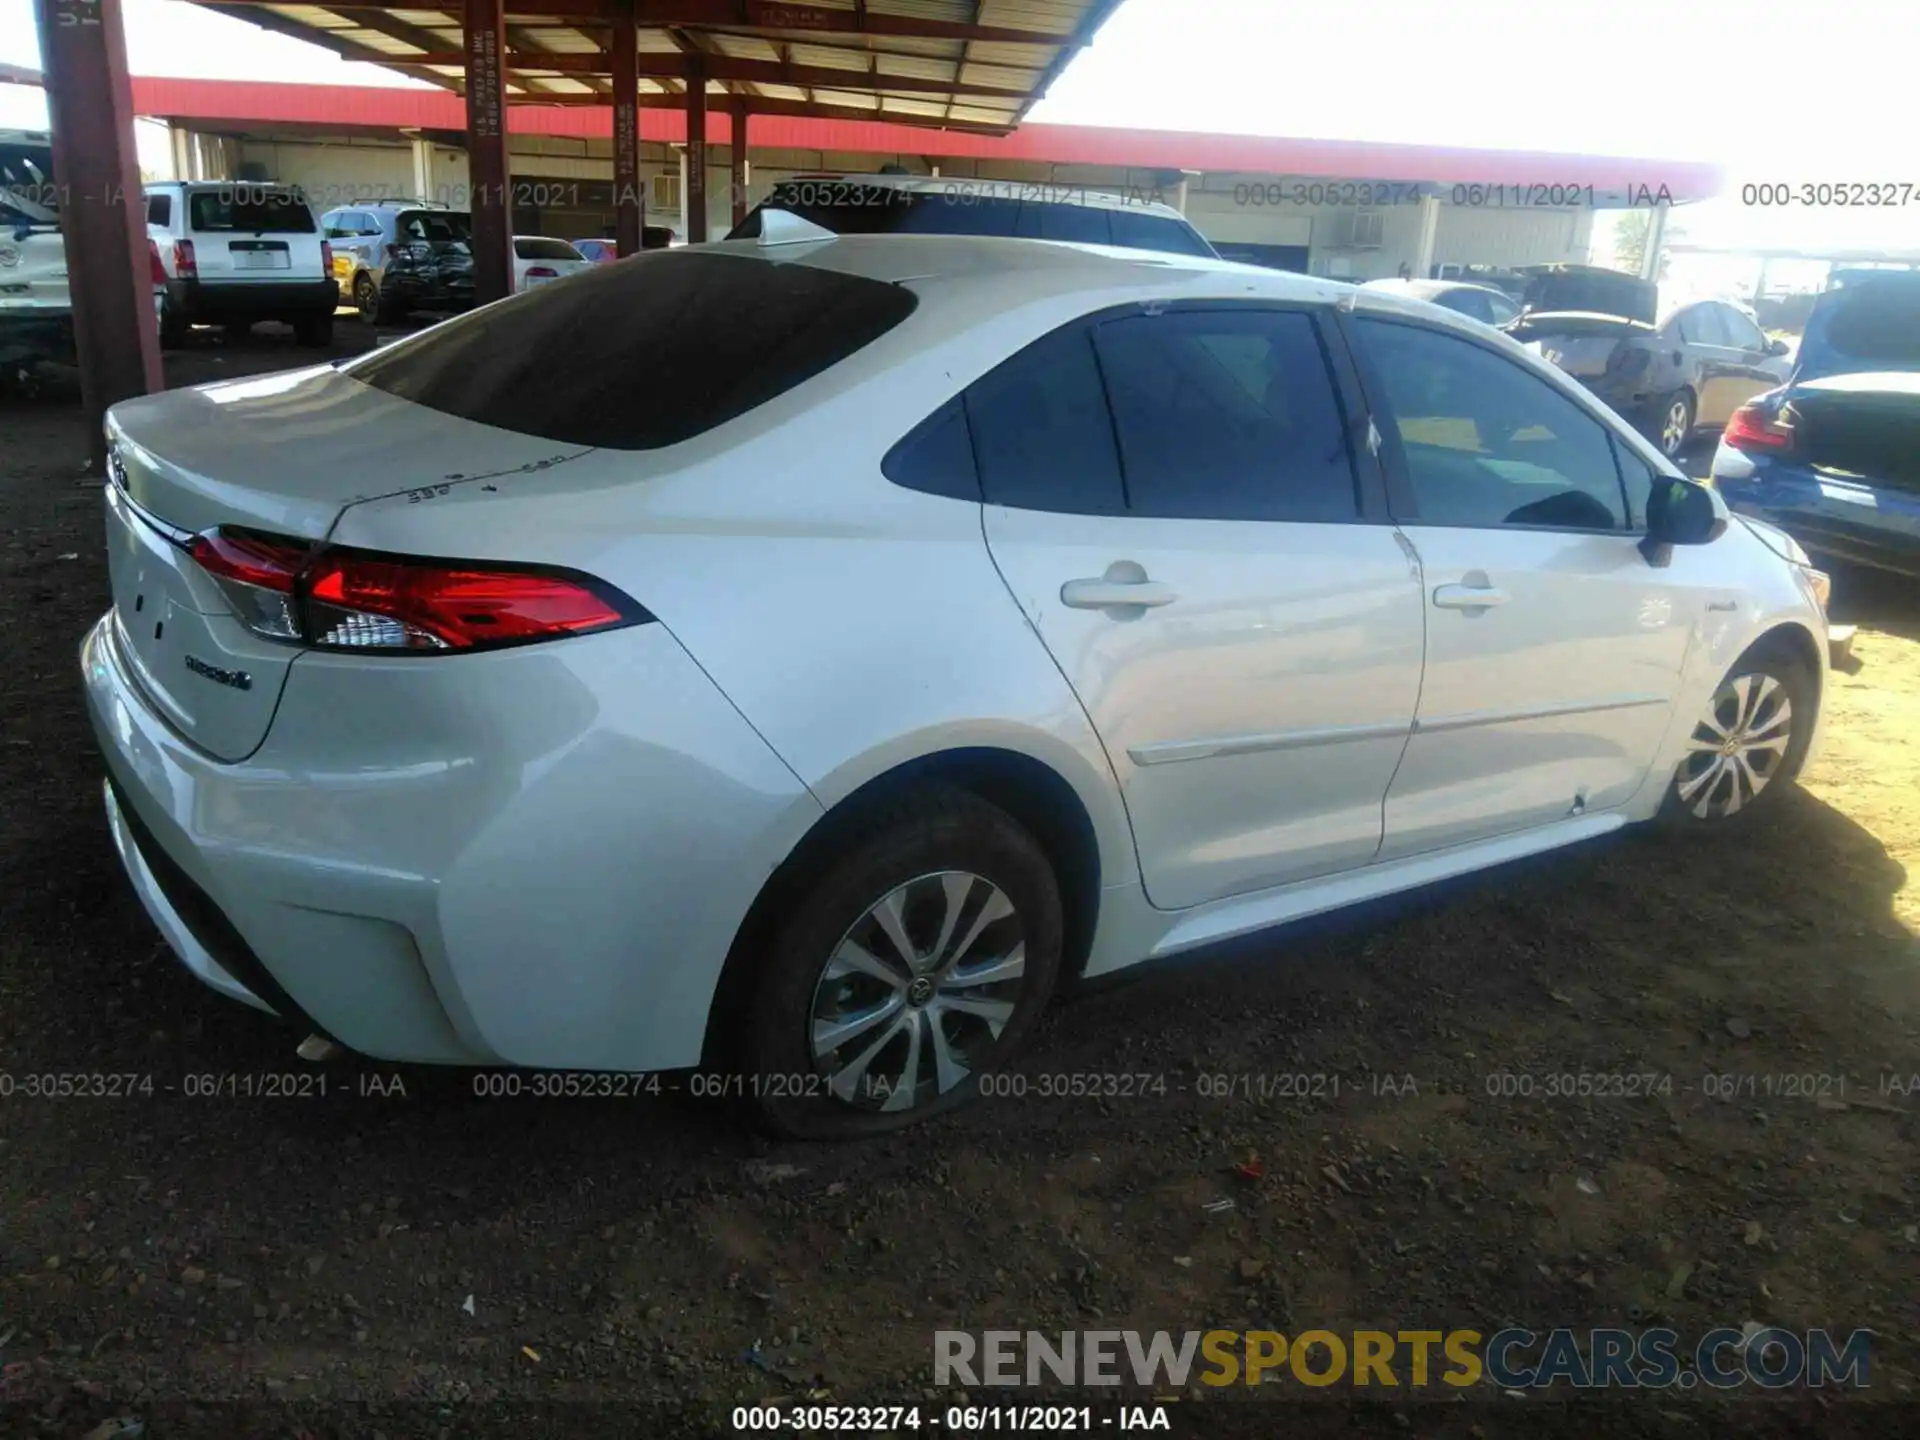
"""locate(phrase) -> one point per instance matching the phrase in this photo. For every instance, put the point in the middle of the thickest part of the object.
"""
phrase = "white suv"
(236, 252)
(36, 309)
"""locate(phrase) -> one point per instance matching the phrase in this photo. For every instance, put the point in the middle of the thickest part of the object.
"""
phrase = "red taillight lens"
(1751, 428)
(326, 258)
(154, 267)
(542, 272)
(351, 600)
(185, 267)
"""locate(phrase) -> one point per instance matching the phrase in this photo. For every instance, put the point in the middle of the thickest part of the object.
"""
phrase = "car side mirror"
(1681, 512)
(1777, 347)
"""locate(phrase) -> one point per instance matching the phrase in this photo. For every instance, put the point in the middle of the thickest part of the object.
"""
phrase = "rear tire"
(313, 330)
(1672, 423)
(173, 328)
(374, 307)
(1745, 751)
(914, 956)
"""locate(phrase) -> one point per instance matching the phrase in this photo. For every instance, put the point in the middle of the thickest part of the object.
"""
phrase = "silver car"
(802, 658)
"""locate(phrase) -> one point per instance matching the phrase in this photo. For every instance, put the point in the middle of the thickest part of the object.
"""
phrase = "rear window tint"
(434, 225)
(537, 249)
(1141, 231)
(642, 354)
(250, 211)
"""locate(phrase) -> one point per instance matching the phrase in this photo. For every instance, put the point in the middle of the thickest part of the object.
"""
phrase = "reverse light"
(1752, 429)
(185, 266)
(342, 599)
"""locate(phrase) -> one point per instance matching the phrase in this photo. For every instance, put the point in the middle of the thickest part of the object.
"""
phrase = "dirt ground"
(165, 1255)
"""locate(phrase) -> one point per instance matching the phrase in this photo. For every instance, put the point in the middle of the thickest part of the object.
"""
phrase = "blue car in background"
(1833, 456)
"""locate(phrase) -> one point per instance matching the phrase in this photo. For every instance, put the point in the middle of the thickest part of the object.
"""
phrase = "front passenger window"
(1484, 443)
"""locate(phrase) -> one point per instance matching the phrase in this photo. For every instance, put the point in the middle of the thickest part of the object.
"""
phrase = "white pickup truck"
(36, 310)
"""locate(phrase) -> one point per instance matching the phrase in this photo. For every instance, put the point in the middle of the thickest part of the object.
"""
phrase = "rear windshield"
(647, 353)
(437, 226)
(537, 249)
(253, 211)
(1876, 323)
(850, 208)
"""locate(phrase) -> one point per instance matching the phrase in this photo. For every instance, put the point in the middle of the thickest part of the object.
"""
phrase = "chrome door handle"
(1468, 597)
(1106, 594)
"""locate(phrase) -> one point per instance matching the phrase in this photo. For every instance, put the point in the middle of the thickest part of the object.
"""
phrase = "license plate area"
(259, 254)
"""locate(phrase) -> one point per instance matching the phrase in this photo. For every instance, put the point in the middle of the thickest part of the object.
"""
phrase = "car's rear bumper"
(211, 301)
(1850, 520)
(429, 865)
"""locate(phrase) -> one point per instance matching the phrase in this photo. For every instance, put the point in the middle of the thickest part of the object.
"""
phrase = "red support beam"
(694, 202)
(738, 147)
(103, 216)
(627, 220)
(491, 202)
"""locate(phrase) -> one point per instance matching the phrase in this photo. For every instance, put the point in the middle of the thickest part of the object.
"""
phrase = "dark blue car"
(1833, 456)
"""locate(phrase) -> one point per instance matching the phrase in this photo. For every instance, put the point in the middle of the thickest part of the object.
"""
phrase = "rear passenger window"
(1227, 415)
(1041, 431)
(937, 457)
(159, 209)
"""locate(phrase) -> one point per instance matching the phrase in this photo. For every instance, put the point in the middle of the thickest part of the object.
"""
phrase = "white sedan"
(538, 259)
(798, 658)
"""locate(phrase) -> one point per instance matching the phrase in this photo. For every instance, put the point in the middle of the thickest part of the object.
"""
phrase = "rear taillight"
(326, 258)
(542, 272)
(1752, 428)
(1628, 360)
(154, 267)
(392, 253)
(185, 267)
(354, 600)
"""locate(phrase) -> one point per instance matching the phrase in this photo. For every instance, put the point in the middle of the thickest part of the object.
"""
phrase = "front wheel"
(916, 958)
(1746, 748)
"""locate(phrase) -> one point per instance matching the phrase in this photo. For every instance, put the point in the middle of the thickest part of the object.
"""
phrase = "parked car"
(392, 256)
(1833, 457)
(538, 259)
(1671, 373)
(36, 304)
(652, 237)
(918, 205)
(799, 659)
(1477, 302)
(236, 253)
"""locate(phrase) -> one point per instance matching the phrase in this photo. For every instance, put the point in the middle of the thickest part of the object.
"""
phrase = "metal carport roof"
(976, 65)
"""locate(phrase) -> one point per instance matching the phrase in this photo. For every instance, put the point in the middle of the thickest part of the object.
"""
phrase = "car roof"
(1030, 192)
(1427, 289)
(963, 279)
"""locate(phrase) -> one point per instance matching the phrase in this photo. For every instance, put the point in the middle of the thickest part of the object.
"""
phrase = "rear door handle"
(1468, 597)
(1104, 594)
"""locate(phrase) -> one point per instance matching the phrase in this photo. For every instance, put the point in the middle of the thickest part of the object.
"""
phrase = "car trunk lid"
(1579, 342)
(284, 454)
(1864, 427)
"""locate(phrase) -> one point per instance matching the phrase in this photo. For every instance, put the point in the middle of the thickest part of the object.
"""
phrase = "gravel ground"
(466, 1265)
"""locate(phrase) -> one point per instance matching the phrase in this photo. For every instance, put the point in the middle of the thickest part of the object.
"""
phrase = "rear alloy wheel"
(366, 298)
(914, 963)
(1746, 747)
(1676, 425)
